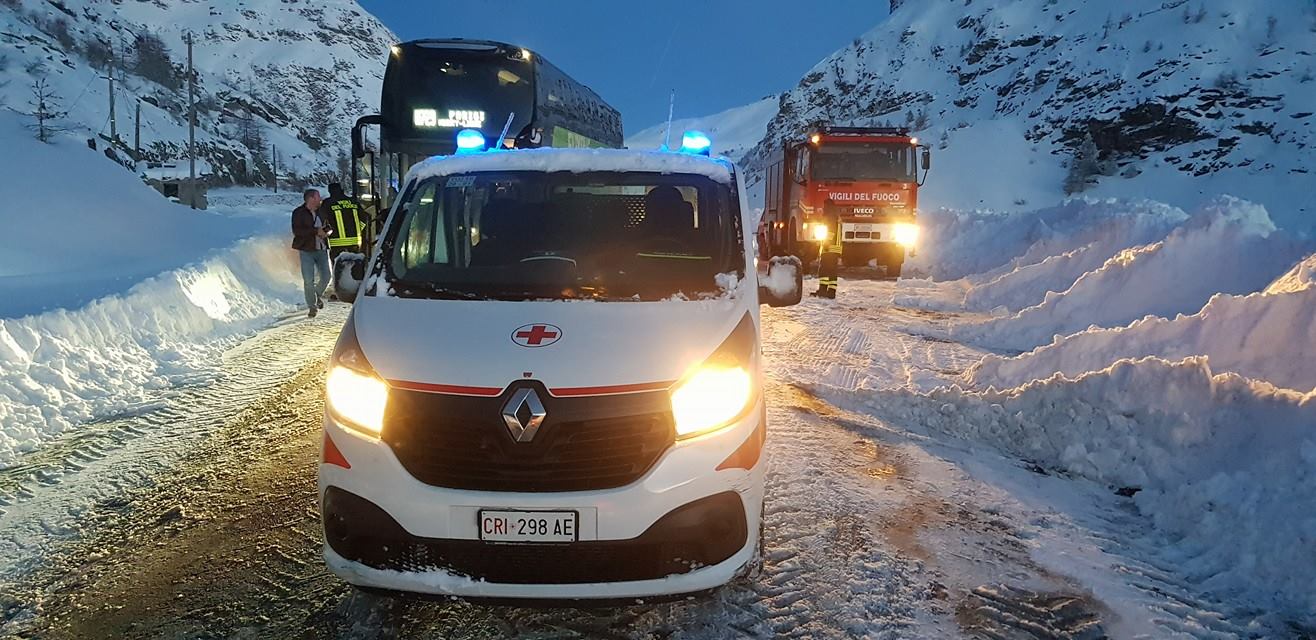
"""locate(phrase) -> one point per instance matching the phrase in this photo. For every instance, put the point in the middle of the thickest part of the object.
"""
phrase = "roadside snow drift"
(1230, 247)
(1180, 361)
(1226, 465)
(1269, 335)
(64, 367)
(985, 245)
(82, 227)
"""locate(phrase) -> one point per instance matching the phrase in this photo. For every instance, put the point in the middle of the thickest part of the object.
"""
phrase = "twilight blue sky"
(717, 54)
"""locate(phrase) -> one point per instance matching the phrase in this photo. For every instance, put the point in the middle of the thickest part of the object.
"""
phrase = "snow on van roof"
(576, 161)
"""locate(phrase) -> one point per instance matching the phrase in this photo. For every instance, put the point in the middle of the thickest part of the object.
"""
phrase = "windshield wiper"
(435, 291)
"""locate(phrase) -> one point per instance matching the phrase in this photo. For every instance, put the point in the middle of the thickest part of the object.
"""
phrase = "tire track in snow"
(52, 495)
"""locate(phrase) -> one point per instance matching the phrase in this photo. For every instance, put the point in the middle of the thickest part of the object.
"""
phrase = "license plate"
(529, 526)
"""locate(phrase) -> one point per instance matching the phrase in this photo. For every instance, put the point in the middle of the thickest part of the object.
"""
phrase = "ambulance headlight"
(355, 395)
(357, 398)
(710, 399)
(819, 232)
(906, 234)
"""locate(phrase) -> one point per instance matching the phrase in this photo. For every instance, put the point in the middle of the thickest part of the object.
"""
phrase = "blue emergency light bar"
(470, 141)
(696, 142)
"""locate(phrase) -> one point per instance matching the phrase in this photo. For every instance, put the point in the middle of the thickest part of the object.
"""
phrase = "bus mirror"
(783, 285)
(358, 143)
(927, 158)
(358, 149)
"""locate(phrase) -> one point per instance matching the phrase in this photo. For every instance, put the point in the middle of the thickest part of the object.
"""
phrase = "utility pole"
(137, 134)
(114, 119)
(191, 122)
(274, 163)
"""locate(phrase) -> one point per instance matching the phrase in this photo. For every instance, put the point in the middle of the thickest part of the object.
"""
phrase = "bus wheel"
(893, 270)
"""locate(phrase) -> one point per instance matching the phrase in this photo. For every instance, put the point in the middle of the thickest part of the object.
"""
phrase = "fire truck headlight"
(820, 232)
(906, 234)
(710, 399)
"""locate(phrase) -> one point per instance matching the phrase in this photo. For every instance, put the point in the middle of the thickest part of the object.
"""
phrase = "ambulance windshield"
(531, 236)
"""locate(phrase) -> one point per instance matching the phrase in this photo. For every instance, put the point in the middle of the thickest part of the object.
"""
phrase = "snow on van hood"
(599, 344)
(575, 161)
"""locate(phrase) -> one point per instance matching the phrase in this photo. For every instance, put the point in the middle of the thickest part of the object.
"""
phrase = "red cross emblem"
(536, 335)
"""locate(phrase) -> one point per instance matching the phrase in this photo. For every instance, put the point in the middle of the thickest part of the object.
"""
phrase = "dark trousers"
(829, 267)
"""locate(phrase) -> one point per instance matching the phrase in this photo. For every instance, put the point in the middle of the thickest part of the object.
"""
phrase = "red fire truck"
(852, 184)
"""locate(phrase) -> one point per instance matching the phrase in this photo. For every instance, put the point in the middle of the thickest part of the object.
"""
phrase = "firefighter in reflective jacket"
(347, 221)
(829, 262)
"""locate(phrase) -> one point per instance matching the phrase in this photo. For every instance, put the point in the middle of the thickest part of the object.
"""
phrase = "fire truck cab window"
(866, 161)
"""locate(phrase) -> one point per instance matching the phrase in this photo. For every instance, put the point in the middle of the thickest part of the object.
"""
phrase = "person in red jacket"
(310, 237)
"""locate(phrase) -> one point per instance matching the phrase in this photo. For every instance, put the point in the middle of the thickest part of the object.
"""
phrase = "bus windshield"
(435, 92)
(530, 236)
(865, 161)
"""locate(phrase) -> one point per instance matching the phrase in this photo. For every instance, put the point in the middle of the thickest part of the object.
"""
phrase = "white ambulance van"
(549, 386)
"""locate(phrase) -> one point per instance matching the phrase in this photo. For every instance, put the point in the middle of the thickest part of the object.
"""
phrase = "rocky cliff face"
(284, 77)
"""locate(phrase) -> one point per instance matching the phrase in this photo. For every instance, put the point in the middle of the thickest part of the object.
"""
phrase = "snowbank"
(64, 367)
(985, 245)
(1028, 284)
(1230, 247)
(1270, 336)
(1226, 465)
(84, 227)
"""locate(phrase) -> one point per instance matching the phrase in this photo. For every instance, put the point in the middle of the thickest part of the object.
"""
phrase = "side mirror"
(358, 143)
(783, 286)
(349, 271)
(927, 158)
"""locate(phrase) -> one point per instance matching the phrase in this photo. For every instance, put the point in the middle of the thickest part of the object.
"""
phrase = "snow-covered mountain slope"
(1184, 99)
(734, 131)
(285, 75)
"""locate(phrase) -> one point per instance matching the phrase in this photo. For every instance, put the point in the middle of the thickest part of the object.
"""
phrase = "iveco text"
(550, 384)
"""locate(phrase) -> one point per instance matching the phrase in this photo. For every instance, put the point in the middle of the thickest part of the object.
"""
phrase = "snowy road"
(198, 519)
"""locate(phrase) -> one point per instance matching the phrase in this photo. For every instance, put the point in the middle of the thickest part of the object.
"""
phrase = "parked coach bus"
(435, 88)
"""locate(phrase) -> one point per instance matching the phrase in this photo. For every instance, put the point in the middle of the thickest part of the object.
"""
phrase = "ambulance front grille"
(461, 442)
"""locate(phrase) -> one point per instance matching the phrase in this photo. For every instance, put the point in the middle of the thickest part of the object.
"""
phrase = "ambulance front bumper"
(685, 526)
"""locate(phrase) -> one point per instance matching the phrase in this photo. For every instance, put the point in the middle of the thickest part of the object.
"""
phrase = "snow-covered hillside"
(290, 76)
(734, 131)
(1184, 99)
(90, 229)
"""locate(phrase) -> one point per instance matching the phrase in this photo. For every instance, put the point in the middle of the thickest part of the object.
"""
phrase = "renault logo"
(523, 414)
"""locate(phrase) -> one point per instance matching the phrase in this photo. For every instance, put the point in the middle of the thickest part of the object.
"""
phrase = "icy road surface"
(199, 519)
